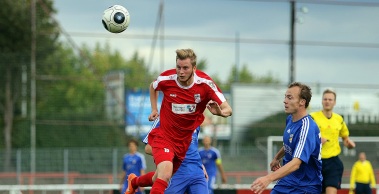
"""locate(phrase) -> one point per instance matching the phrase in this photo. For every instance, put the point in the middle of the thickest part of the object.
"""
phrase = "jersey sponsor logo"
(173, 95)
(166, 150)
(287, 149)
(183, 108)
(197, 98)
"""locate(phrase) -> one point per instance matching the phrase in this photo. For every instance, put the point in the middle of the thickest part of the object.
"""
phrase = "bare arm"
(222, 172)
(154, 103)
(148, 149)
(123, 177)
(275, 163)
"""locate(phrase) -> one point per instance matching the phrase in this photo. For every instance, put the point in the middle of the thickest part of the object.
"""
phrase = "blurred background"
(72, 94)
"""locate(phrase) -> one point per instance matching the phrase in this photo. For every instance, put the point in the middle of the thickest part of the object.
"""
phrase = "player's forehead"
(183, 62)
(293, 92)
(328, 96)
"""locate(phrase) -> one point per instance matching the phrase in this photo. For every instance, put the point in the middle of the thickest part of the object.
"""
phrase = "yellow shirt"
(331, 129)
(362, 172)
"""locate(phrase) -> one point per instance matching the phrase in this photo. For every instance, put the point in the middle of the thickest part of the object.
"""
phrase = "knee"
(165, 175)
(164, 171)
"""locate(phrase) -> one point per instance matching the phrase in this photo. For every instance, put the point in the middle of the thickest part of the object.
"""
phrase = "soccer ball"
(116, 19)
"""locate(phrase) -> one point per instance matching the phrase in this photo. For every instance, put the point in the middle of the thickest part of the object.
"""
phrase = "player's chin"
(182, 78)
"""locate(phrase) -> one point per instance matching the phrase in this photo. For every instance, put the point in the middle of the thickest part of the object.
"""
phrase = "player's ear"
(302, 101)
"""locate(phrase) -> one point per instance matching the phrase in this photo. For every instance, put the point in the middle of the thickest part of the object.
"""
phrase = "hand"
(205, 173)
(324, 140)
(260, 184)
(214, 108)
(275, 165)
(349, 143)
(153, 115)
(223, 180)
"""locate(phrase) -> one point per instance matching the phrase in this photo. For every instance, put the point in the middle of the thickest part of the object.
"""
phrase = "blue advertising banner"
(138, 109)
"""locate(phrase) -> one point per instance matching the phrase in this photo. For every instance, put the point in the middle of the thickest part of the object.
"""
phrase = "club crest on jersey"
(197, 98)
(290, 139)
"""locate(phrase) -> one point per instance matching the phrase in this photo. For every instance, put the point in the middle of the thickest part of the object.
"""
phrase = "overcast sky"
(336, 43)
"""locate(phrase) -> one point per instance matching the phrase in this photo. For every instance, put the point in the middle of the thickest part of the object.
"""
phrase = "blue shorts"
(187, 184)
(289, 189)
(332, 170)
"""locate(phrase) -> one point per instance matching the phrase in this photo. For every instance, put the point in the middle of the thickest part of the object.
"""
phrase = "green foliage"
(15, 30)
(202, 64)
(244, 75)
(77, 100)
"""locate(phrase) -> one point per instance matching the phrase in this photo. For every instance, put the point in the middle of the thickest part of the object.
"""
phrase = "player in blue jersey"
(211, 159)
(301, 170)
(133, 162)
(191, 176)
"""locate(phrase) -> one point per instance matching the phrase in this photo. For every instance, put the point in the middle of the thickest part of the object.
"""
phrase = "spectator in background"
(332, 126)
(133, 162)
(211, 158)
(362, 175)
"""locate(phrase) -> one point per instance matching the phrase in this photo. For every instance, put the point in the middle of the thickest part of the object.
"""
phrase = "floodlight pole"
(292, 42)
(33, 92)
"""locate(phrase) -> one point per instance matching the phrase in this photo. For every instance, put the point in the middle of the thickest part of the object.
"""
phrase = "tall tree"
(15, 38)
(13, 51)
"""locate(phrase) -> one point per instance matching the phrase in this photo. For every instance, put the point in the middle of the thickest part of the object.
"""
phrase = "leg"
(331, 190)
(163, 174)
(332, 173)
(198, 186)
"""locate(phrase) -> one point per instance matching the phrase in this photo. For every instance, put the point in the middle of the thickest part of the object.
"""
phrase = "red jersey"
(183, 106)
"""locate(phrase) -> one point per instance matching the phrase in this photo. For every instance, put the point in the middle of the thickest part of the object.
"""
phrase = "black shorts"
(332, 169)
(361, 188)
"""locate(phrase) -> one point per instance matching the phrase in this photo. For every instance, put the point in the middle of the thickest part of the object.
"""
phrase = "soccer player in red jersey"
(187, 92)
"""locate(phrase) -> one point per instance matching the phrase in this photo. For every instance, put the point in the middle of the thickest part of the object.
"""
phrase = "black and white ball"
(116, 19)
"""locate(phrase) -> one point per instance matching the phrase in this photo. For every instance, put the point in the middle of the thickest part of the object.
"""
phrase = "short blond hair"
(186, 53)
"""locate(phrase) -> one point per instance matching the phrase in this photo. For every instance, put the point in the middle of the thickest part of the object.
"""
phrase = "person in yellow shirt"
(362, 175)
(332, 126)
